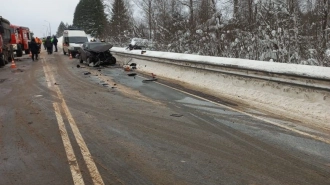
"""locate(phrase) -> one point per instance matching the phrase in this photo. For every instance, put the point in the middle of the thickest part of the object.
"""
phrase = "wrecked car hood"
(101, 48)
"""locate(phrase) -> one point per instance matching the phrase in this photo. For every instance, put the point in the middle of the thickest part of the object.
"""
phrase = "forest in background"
(285, 31)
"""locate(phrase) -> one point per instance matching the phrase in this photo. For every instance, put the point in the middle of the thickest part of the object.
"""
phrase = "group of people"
(35, 46)
(48, 44)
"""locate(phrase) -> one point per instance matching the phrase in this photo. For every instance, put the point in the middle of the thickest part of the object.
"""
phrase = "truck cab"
(72, 41)
(6, 50)
(20, 38)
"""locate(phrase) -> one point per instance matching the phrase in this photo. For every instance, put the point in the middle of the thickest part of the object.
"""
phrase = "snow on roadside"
(284, 68)
(60, 39)
(313, 108)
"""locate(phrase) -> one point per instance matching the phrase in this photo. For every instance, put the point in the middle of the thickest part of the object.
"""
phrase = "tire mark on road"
(94, 173)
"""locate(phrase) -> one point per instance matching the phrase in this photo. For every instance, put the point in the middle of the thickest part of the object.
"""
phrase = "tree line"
(286, 31)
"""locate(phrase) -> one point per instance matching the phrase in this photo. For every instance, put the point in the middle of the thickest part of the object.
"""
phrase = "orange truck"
(20, 38)
(6, 50)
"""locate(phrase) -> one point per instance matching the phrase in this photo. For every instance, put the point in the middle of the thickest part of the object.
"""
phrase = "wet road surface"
(61, 125)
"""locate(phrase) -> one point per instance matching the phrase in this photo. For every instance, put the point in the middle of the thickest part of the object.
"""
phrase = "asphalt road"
(61, 125)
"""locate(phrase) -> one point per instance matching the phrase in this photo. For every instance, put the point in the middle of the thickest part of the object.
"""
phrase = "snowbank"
(60, 39)
(295, 69)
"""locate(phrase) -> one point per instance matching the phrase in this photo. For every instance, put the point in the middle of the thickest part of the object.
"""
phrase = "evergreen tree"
(119, 23)
(89, 16)
(78, 16)
(60, 29)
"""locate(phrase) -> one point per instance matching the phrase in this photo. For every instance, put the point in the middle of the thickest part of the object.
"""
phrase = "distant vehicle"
(138, 43)
(6, 50)
(97, 53)
(72, 41)
(20, 38)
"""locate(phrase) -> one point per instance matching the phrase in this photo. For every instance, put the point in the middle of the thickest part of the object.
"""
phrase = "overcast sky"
(33, 13)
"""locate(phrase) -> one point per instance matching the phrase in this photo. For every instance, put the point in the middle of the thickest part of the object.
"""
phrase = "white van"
(73, 40)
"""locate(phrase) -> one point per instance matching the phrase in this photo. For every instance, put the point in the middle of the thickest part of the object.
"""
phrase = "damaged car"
(96, 53)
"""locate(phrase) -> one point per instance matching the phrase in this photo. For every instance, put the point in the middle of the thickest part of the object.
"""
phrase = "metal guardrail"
(315, 83)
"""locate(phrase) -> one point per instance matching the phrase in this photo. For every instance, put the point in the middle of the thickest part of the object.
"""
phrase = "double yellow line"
(72, 160)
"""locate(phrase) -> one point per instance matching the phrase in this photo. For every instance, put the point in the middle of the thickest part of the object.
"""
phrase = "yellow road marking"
(74, 167)
(91, 166)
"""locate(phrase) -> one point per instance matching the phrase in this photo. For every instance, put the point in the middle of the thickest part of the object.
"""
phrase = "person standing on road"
(43, 42)
(39, 42)
(34, 48)
(49, 45)
(55, 43)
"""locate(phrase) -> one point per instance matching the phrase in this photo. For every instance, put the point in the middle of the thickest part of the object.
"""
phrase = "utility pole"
(50, 28)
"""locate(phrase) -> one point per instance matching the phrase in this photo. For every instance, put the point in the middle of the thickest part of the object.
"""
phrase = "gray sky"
(33, 13)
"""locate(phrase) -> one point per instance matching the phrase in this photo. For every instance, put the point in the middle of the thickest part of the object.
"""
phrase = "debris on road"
(133, 65)
(87, 73)
(131, 74)
(17, 70)
(78, 66)
(114, 86)
(2, 80)
(127, 67)
(149, 80)
(56, 83)
(176, 115)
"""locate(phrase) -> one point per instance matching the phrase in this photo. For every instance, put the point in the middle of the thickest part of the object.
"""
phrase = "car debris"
(152, 79)
(133, 65)
(176, 115)
(131, 74)
(127, 67)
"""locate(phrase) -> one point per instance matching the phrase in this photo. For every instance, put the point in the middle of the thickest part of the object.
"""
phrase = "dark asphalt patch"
(2, 80)
(131, 74)
(176, 115)
(17, 70)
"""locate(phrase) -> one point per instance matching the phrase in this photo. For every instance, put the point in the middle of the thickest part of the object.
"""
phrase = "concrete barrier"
(297, 92)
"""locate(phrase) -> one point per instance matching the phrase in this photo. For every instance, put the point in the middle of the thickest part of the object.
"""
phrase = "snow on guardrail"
(282, 68)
